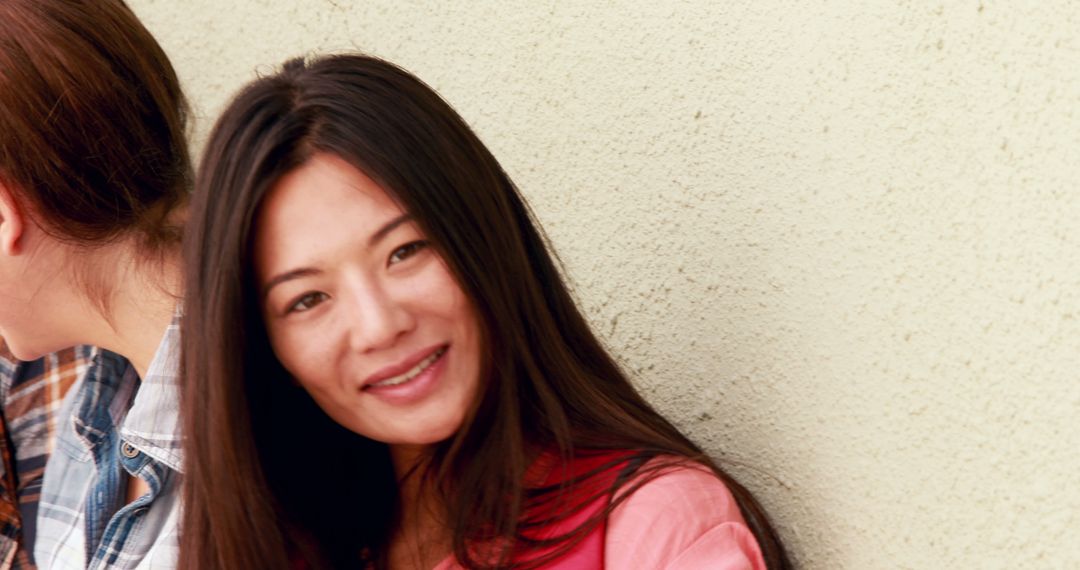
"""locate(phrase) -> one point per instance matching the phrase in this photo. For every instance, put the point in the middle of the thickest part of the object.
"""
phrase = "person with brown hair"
(94, 178)
(382, 366)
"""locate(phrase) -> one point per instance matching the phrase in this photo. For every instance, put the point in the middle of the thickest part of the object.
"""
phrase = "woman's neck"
(414, 489)
(422, 538)
(142, 299)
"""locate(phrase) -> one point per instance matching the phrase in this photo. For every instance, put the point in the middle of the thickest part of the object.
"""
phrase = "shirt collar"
(100, 401)
(152, 424)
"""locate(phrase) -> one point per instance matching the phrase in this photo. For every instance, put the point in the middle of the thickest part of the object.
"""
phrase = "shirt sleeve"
(684, 519)
(10, 523)
(31, 396)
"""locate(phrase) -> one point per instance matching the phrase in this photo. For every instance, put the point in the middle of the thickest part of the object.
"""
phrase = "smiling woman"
(360, 310)
(384, 369)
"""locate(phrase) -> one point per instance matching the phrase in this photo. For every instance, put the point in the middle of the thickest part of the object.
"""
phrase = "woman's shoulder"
(681, 516)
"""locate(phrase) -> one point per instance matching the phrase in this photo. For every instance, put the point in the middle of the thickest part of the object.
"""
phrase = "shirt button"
(128, 450)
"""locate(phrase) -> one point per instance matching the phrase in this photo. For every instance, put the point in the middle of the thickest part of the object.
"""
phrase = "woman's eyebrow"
(389, 227)
(288, 276)
(309, 271)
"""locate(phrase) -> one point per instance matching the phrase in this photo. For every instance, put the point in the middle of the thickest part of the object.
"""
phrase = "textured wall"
(837, 243)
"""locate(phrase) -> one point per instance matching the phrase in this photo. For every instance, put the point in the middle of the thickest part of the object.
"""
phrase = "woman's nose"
(377, 319)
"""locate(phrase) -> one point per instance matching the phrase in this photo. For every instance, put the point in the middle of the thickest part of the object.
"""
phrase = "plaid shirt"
(31, 394)
(115, 426)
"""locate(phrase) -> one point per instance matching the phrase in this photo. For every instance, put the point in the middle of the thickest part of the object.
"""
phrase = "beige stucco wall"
(838, 243)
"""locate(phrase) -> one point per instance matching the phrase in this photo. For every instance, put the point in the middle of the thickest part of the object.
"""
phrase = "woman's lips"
(409, 374)
(403, 366)
(412, 385)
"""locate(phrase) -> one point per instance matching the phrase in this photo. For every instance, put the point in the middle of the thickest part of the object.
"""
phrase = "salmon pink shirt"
(685, 519)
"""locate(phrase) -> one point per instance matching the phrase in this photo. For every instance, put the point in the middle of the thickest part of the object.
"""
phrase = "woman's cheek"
(324, 349)
(294, 349)
(439, 284)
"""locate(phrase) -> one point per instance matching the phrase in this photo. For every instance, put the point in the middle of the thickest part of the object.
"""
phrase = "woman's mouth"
(410, 374)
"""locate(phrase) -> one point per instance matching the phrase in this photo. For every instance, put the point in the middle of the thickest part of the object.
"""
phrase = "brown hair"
(270, 478)
(92, 121)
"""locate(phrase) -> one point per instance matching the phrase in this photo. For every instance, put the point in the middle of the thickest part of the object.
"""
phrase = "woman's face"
(361, 310)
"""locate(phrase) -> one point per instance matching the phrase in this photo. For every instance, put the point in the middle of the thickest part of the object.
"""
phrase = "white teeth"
(413, 372)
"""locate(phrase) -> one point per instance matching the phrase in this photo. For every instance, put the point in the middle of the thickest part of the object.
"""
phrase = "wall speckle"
(836, 243)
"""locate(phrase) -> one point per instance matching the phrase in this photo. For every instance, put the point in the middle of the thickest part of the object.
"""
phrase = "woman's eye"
(306, 302)
(406, 251)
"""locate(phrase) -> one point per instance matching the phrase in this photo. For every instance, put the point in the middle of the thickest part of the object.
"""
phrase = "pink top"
(685, 519)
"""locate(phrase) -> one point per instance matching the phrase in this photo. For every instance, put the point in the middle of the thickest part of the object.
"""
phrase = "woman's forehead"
(323, 204)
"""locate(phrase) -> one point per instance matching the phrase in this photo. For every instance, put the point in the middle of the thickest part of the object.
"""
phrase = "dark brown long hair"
(92, 121)
(270, 478)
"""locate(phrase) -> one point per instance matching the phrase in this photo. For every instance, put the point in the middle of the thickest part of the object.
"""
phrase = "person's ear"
(12, 222)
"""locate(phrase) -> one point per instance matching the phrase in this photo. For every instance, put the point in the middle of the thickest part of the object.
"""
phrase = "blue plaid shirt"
(115, 425)
(31, 396)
